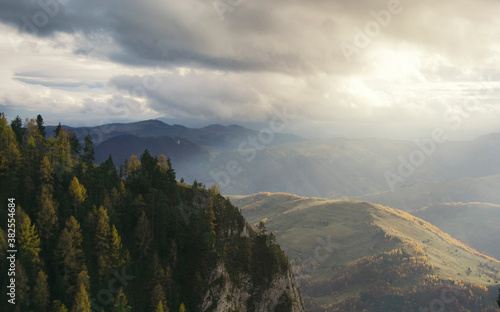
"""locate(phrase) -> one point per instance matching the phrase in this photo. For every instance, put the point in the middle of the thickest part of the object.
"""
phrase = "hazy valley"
(376, 251)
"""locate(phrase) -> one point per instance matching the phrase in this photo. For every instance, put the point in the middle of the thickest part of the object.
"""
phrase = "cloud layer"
(366, 68)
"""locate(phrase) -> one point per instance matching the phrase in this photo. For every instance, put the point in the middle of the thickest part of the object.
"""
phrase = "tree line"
(100, 238)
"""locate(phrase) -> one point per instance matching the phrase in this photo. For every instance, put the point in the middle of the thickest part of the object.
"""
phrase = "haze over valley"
(249, 155)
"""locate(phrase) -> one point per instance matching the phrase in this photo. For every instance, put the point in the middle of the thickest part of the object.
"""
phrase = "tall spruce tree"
(39, 124)
(70, 255)
(17, 127)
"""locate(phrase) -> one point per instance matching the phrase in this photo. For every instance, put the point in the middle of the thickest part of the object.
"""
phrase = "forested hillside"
(86, 237)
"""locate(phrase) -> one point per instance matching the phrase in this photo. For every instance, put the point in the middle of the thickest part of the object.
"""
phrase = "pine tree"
(63, 151)
(57, 130)
(133, 166)
(78, 193)
(102, 235)
(121, 303)
(116, 251)
(214, 189)
(143, 235)
(58, 306)
(76, 147)
(9, 151)
(158, 296)
(10, 158)
(159, 307)
(82, 297)
(108, 244)
(182, 308)
(88, 156)
(29, 242)
(47, 214)
(39, 124)
(41, 293)
(163, 164)
(17, 127)
(70, 255)
(23, 290)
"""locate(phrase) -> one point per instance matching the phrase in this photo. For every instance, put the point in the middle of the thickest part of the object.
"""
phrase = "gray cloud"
(263, 54)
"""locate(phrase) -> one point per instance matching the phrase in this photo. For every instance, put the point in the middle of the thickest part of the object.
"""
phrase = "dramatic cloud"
(371, 68)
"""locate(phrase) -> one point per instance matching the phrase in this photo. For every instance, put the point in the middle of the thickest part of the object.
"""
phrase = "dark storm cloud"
(150, 33)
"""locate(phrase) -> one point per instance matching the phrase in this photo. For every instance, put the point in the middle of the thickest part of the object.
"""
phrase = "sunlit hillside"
(341, 250)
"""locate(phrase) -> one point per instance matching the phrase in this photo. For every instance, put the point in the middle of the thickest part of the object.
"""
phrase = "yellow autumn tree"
(41, 293)
(108, 244)
(70, 255)
(182, 308)
(82, 300)
(28, 240)
(78, 193)
(9, 153)
(133, 166)
(47, 214)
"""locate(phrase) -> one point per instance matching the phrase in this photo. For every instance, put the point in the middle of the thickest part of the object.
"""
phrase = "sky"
(379, 68)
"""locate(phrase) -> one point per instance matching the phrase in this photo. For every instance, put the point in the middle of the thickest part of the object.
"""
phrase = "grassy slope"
(361, 230)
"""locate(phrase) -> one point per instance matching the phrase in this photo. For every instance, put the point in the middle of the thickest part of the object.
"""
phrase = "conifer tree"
(159, 307)
(39, 124)
(117, 256)
(88, 156)
(143, 235)
(133, 167)
(82, 297)
(23, 290)
(182, 308)
(121, 303)
(102, 244)
(41, 293)
(47, 214)
(10, 158)
(57, 130)
(78, 193)
(158, 295)
(70, 255)
(17, 127)
(62, 150)
(58, 306)
(163, 163)
(9, 152)
(76, 147)
(108, 244)
(29, 242)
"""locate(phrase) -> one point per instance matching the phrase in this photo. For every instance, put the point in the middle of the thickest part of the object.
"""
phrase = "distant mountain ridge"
(210, 136)
(329, 168)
